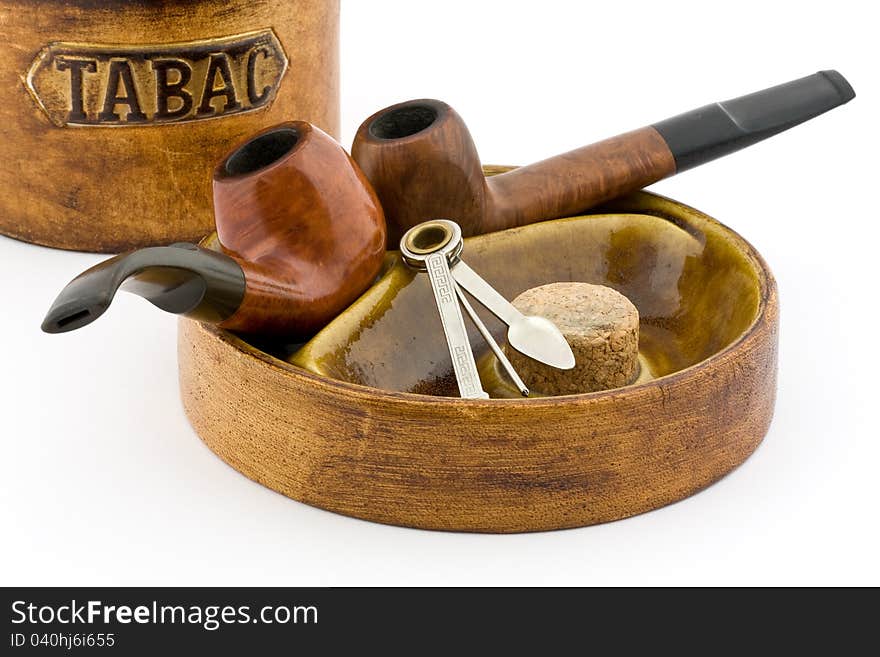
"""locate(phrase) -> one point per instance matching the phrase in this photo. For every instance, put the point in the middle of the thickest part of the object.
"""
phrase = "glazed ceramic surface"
(695, 290)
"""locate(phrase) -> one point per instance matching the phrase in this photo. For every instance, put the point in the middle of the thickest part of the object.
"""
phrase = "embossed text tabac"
(107, 85)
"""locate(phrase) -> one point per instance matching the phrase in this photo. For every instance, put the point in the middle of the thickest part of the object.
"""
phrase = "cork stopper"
(600, 324)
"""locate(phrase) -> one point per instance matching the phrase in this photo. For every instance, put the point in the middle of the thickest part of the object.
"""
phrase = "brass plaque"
(87, 84)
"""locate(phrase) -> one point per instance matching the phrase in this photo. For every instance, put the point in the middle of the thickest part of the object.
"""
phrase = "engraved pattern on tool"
(436, 247)
(463, 363)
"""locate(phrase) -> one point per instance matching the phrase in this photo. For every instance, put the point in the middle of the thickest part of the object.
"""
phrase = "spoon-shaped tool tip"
(540, 339)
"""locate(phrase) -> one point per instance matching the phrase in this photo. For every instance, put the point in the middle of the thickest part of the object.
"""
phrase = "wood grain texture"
(109, 189)
(573, 182)
(424, 165)
(484, 466)
(434, 173)
(306, 229)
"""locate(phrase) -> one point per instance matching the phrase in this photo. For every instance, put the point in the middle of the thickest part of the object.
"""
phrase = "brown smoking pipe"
(423, 164)
(302, 235)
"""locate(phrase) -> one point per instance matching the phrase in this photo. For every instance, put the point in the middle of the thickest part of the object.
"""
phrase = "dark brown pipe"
(423, 164)
(302, 235)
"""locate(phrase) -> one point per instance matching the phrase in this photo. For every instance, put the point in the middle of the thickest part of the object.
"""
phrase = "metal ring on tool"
(436, 236)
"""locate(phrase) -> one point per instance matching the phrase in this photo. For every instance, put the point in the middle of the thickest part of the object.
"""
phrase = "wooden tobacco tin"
(117, 110)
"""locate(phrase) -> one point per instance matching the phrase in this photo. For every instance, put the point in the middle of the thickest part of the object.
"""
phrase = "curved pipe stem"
(184, 279)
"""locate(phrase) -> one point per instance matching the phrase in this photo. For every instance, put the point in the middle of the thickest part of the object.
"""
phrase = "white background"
(102, 481)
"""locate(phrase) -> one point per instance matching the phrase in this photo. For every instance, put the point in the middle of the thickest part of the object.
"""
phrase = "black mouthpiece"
(722, 128)
(183, 279)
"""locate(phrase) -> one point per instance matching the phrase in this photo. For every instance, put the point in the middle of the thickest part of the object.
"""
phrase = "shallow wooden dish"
(314, 432)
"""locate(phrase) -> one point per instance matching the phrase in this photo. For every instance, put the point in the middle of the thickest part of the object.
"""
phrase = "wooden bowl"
(343, 430)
